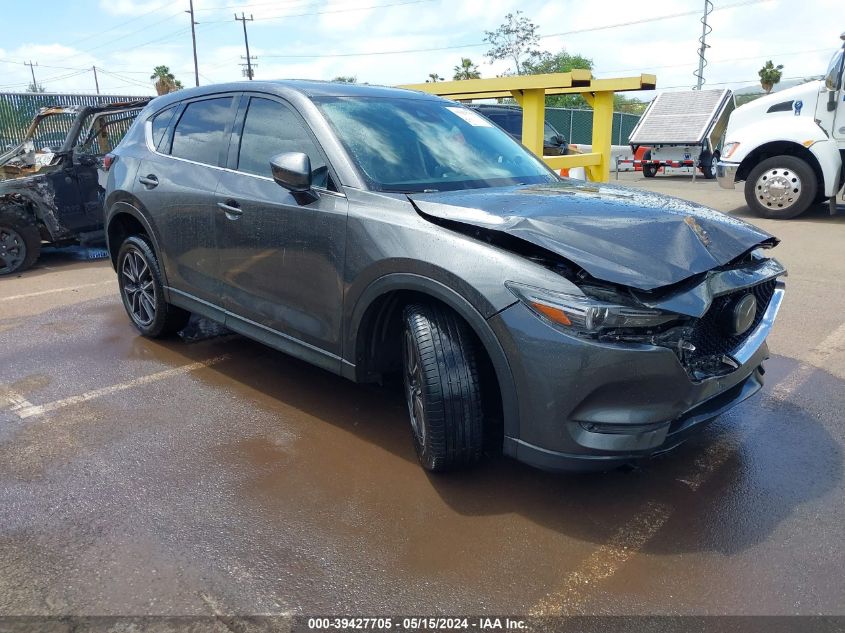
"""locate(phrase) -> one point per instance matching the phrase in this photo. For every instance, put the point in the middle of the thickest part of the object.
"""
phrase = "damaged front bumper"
(588, 404)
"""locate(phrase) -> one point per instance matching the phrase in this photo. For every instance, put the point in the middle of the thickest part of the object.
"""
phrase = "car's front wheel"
(142, 290)
(442, 387)
(781, 187)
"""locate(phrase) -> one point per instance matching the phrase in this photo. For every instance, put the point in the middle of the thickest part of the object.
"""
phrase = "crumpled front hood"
(626, 236)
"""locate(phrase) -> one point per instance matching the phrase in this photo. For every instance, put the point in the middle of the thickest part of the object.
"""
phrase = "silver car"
(375, 231)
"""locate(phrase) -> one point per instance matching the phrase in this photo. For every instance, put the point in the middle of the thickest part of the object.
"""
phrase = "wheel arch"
(124, 220)
(372, 334)
(779, 148)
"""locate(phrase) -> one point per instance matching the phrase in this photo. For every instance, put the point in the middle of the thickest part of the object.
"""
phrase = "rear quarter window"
(201, 131)
(160, 122)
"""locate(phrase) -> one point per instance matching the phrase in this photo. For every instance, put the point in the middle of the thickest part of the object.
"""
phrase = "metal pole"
(244, 19)
(32, 70)
(705, 30)
(194, 42)
(96, 81)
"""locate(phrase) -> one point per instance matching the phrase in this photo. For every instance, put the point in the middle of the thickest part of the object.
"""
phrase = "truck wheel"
(649, 171)
(139, 280)
(781, 187)
(20, 243)
(705, 162)
(442, 387)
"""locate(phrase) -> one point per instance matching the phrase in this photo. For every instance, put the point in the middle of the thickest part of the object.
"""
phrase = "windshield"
(832, 76)
(413, 145)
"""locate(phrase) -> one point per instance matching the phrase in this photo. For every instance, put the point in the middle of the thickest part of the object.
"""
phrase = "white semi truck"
(789, 147)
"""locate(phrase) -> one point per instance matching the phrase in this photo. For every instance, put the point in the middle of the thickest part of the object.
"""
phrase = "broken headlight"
(585, 315)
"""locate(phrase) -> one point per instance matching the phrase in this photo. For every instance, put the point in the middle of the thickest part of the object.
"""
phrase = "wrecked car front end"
(661, 327)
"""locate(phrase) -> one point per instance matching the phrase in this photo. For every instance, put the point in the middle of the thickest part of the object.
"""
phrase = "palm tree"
(466, 70)
(770, 75)
(165, 81)
(433, 78)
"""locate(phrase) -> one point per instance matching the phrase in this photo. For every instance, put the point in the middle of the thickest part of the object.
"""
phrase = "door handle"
(149, 181)
(231, 208)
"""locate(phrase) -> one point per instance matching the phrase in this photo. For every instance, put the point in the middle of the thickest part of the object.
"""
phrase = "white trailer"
(683, 129)
(789, 147)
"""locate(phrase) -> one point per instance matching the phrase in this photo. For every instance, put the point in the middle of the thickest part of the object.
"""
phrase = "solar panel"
(679, 117)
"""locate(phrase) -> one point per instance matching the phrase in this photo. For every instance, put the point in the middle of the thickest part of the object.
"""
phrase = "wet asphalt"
(209, 474)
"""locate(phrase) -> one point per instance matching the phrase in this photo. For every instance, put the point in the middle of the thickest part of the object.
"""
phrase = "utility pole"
(244, 19)
(32, 70)
(706, 29)
(194, 41)
(96, 81)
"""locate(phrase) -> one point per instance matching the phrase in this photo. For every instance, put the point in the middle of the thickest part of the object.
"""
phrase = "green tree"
(631, 105)
(466, 70)
(562, 62)
(33, 87)
(165, 81)
(433, 78)
(770, 75)
(346, 79)
(515, 40)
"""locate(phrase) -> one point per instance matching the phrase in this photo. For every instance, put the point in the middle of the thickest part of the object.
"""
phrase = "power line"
(480, 44)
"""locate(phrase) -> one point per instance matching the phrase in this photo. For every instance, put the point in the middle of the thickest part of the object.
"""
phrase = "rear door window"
(271, 128)
(201, 131)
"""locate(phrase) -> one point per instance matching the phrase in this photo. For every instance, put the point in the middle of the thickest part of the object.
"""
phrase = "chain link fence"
(577, 125)
(18, 109)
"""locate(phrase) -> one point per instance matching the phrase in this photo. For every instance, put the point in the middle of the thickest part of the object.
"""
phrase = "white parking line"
(605, 561)
(13, 400)
(29, 295)
(817, 357)
(644, 525)
(41, 409)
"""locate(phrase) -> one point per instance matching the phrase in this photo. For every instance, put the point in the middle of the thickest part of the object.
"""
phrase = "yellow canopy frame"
(530, 92)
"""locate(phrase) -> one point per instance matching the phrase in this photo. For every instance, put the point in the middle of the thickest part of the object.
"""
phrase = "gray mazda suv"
(378, 232)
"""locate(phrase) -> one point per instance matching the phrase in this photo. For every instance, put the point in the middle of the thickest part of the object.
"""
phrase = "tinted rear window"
(200, 133)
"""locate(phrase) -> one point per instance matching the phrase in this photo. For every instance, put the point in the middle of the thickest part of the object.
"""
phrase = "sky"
(401, 41)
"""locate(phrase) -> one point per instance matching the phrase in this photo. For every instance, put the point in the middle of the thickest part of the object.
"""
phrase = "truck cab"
(789, 147)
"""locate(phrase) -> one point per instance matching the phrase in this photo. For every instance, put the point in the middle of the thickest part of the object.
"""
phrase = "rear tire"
(442, 387)
(781, 187)
(142, 291)
(705, 163)
(20, 241)
(649, 171)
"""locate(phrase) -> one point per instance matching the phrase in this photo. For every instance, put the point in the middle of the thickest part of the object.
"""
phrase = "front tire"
(781, 187)
(442, 387)
(142, 291)
(649, 171)
(20, 242)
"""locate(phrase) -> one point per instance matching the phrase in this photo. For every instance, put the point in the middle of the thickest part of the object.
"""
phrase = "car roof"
(309, 88)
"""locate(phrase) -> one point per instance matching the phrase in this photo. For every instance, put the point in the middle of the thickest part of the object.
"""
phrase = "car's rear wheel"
(142, 290)
(781, 187)
(20, 243)
(442, 387)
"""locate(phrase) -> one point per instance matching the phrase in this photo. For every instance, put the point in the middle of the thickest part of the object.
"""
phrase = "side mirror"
(292, 170)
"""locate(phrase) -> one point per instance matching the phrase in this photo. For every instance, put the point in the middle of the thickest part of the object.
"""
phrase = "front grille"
(708, 336)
